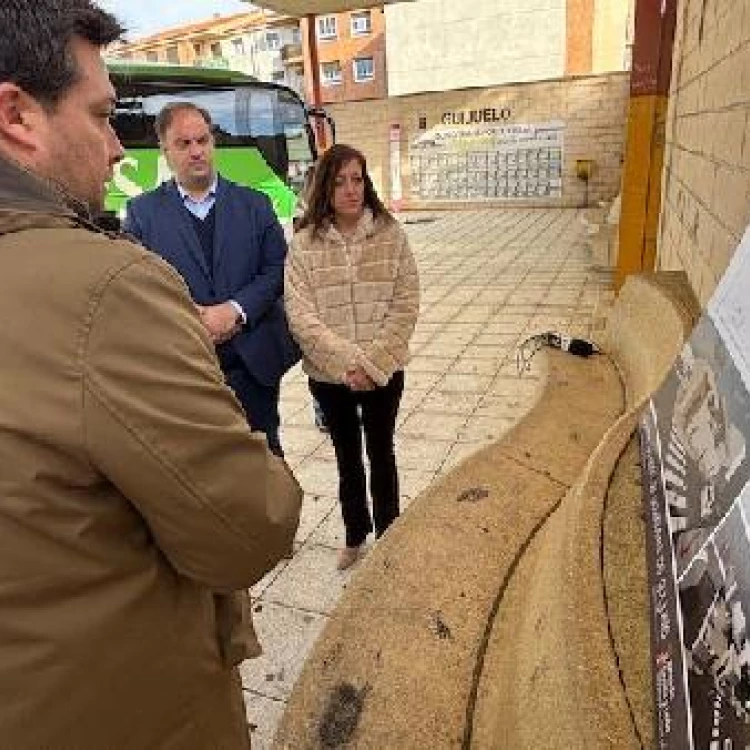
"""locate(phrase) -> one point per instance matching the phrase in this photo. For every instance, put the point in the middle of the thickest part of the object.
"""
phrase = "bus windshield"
(263, 138)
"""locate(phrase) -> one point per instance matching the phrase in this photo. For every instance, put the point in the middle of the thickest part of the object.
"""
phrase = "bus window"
(262, 140)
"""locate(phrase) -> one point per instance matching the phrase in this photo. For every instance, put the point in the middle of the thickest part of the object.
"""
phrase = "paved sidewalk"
(489, 279)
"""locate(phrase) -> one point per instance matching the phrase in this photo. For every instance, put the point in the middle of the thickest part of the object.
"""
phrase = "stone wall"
(706, 185)
(592, 110)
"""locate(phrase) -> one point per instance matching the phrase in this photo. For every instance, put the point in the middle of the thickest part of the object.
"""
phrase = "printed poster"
(695, 465)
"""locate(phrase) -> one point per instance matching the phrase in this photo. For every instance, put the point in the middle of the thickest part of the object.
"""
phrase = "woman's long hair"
(320, 200)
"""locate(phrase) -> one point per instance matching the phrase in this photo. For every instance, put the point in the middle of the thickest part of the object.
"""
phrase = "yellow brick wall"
(706, 181)
(593, 109)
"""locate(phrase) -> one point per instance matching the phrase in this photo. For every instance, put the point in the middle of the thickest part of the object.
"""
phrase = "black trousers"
(260, 402)
(349, 414)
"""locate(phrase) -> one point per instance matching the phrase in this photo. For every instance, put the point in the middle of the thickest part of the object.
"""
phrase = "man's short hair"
(35, 37)
(166, 116)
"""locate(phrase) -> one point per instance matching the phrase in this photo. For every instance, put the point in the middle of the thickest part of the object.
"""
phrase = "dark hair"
(320, 199)
(35, 37)
(166, 116)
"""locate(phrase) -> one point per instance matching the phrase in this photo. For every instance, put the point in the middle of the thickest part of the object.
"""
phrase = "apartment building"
(350, 55)
(260, 43)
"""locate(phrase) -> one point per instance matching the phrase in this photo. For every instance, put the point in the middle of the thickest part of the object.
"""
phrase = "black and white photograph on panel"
(714, 594)
(703, 415)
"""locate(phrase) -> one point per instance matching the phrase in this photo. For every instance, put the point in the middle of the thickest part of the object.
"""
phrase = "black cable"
(576, 346)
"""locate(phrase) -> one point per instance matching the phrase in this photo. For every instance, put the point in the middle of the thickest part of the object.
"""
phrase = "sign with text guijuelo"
(695, 466)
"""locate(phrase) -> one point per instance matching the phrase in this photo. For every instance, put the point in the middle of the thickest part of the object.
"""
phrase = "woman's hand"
(358, 380)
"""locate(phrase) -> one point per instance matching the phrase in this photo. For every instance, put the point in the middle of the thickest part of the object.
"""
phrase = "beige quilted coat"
(352, 300)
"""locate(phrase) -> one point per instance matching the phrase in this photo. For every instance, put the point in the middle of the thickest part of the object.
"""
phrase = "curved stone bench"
(492, 613)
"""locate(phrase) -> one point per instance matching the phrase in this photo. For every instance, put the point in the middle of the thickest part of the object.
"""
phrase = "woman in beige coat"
(352, 299)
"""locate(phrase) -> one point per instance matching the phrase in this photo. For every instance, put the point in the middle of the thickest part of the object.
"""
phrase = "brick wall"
(345, 49)
(706, 185)
(593, 109)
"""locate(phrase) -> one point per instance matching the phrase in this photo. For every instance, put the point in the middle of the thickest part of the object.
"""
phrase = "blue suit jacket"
(249, 253)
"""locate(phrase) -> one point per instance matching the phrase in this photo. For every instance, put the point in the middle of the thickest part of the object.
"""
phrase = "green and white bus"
(264, 137)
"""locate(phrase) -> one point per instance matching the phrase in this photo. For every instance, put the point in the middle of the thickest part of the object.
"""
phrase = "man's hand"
(358, 380)
(220, 321)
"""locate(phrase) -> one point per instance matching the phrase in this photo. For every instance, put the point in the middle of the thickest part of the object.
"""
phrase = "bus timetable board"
(488, 162)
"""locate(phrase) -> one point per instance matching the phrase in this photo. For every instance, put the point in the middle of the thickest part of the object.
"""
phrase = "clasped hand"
(358, 380)
(220, 321)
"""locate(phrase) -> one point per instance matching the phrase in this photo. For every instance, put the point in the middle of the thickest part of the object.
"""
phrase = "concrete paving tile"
(465, 383)
(315, 508)
(318, 477)
(519, 310)
(422, 381)
(442, 402)
(497, 353)
(461, 451)
(509, 406)
(459, 333)
(421, 455)
(495, 339)
(413, 483)
(427, 425)
(296, 391)
(301, 440)
(284, 633)
(425, 328)
(324, 452)
(259, 588)
(482, 366)
(438, 348)
(310, 581)
(330, 533)
(564, 297)
(263, 716)
(475, 314)
(289, 407)
(441, 313)
(424, 363)
(412, 398)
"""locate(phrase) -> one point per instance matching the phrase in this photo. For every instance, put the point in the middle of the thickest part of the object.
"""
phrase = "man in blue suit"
(229, 247)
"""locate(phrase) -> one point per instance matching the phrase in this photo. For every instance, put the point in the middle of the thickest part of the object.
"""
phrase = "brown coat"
(133, 497)
(352, 301)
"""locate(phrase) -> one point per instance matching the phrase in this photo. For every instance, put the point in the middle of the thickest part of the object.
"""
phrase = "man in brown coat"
(133, 498)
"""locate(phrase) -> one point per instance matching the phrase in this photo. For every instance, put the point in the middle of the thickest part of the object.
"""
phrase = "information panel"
(694, 445)
(488, 162)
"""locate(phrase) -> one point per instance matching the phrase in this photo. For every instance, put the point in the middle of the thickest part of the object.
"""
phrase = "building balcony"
(291, 54)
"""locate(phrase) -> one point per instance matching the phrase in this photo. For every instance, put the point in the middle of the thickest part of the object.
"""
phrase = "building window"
(364, 69)
(278, 76)
(152, 57)
(296, 35)
(327, 27)
(361, 23)
(238, 47)
(273, 40)
(216, 50)
(330, 73)
(172, 55)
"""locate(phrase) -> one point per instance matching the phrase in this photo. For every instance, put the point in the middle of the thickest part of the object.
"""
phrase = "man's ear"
(20, 117)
